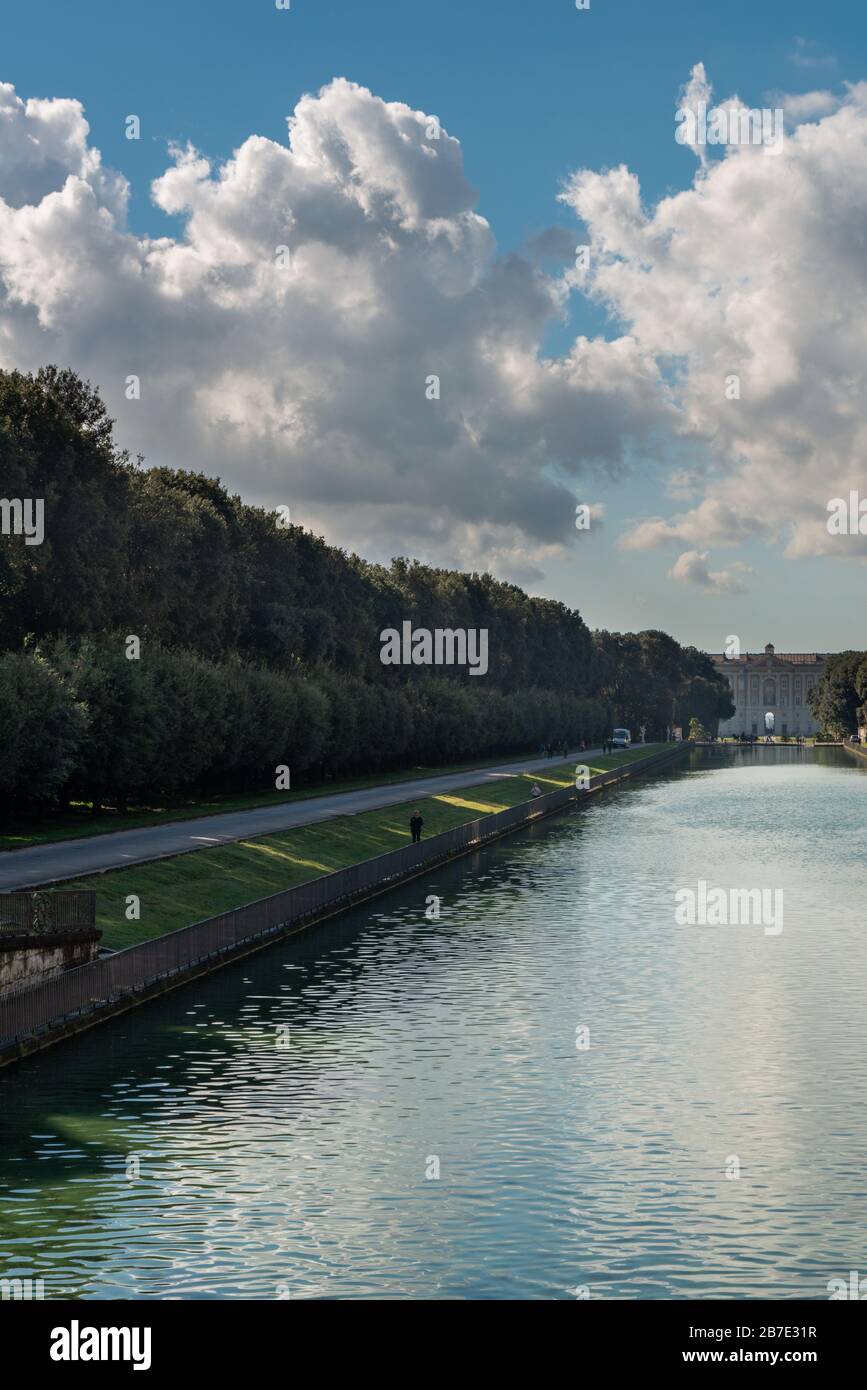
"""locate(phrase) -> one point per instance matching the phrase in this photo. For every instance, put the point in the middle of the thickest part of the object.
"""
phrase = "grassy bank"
(79, 822)
(186, 888)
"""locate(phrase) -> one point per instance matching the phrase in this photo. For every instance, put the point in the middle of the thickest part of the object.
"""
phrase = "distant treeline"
(260, 643)
(839, 699)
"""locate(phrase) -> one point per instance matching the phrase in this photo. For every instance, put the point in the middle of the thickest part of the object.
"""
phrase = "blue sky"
(533, 92)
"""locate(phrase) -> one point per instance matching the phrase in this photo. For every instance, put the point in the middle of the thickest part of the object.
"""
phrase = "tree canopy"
(839, 699)
(259, 642)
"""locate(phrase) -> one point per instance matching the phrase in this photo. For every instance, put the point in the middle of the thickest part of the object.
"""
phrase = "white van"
(621, 738)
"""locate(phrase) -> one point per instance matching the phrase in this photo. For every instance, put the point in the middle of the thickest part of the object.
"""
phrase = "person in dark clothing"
(415, 825)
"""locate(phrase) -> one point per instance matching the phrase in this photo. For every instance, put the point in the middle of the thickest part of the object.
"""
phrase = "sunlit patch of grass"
(262, 847)
(485, 808)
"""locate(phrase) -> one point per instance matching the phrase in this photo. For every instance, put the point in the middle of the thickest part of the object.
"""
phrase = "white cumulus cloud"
(288, 338)
(692, 567)
(748, 288)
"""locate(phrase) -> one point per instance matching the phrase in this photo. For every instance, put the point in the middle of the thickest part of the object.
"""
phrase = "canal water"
(551, 1091)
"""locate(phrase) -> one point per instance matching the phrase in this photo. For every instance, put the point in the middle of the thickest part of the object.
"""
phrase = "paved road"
(23, 868)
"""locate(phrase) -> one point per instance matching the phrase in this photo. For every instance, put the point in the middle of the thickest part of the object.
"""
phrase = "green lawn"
(79, 822)
(186, 888)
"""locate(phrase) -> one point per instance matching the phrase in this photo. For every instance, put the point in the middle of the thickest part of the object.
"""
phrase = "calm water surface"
(285, 1112)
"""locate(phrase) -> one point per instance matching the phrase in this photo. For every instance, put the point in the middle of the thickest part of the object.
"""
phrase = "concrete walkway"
(25, 868)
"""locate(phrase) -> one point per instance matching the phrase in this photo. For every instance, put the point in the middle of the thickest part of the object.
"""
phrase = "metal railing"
(86, 988)
(37, 913)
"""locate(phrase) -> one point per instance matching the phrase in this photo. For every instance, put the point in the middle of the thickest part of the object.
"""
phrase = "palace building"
(774, 684)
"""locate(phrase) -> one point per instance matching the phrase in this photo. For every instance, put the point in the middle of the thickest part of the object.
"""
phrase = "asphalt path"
(25, 868)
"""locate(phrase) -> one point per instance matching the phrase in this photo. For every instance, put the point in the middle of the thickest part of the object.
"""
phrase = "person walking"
(415, 826)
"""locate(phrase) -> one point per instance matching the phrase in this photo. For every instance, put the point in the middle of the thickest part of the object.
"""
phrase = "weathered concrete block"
(25, 960)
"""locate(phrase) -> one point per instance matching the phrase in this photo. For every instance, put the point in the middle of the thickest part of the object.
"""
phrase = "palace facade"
(770, 683)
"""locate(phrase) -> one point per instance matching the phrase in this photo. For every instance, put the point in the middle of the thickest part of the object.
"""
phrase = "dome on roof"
(769, 649)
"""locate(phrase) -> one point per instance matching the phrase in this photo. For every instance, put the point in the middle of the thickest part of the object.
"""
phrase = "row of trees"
(839, 700)
(647, 678)
(82, 721)
(172, 556)
(260, 644)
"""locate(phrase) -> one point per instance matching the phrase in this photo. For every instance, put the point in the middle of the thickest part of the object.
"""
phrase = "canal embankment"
(151, 897)
(58, 860)
(36, 1017)
(858, 751)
